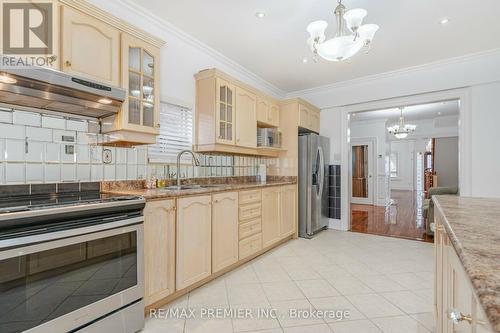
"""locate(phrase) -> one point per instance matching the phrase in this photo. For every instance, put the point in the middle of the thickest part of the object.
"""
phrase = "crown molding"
(192, 41)
(398, 72)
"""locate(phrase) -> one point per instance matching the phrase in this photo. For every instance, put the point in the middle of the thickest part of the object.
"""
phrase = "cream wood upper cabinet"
(273, 116)
(89, 47)
(159, 250)
(271, 215)
(263, 106)
(194, 240)
(224, 230)
(304, 117)
(225, 112)
(246, 118)
(288, 210)
(140, 76)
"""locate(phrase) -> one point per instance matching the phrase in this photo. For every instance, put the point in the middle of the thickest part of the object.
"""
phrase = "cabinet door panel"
(270, 215)
(89, 47)
(304, 120)
(224, 230)
(263, 106)
(274, 115)
(246, 118)
(288, 210)
(225, 98)
(194, 238)
(159, 250)
(314, 118)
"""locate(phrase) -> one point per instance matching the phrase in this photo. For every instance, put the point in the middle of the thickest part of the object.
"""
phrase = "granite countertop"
(473, 226)
(163, 193)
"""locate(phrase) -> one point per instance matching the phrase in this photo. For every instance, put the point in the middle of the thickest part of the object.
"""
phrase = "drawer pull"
(456, 316)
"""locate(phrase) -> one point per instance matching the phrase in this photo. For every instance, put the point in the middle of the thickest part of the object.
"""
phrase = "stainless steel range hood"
(48, 89)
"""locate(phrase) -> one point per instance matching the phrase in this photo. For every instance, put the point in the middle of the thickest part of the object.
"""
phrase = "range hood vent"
(48, 89)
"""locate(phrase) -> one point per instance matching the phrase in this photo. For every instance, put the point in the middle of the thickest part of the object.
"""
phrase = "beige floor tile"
(246, 293)
(354, 326)
(349, 285)
(373, 305)
(426, 319)
(301, 273)
(337, 303)
(274, 330)
(411, 280)
(399, 324)
(321, 328)
(295, 313)
(408, 302)
(209, 295)
(242, 275)
(282, 291)
(271, 273)
(426, 294)
(208, 326)
(164, 325)
(380, 283)
(316, 288)
(259, 317)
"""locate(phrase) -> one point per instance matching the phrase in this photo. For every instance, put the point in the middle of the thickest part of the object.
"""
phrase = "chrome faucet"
(195, 160)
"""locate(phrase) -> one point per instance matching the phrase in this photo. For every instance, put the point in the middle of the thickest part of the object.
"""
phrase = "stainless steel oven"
(84, 275)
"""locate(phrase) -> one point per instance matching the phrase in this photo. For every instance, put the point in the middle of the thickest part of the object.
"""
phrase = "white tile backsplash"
(77, 125)
(26, 118)
(14, 150)
(34, 173)
(53, 122)
(68, 172)
(83, 172)
(52, 173)
(6, 116)
(12, 131)
(69, 136)
(34, 152)
(132, 156)
(15, 173)
(121, 171)
(39, 134)
(52, 153)
(68, 154)
(109, 172)
(96, 172)
(121, 156)
(82, 154)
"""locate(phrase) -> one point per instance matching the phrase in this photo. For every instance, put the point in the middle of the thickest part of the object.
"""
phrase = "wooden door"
(304, 120)
(288, 205)
(89, 47)
(194, 238)
(273, 116)
(263, 106)
(246, 118)
(159, 250)
(225, 128)
(224, 230)
(140, 76)
(270, 215)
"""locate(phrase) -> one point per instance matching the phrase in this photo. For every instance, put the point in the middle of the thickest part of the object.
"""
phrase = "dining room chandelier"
(346, 43)
(401, 130)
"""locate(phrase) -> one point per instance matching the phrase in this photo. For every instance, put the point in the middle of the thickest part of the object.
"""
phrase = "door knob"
(456, 316)
(68, 63)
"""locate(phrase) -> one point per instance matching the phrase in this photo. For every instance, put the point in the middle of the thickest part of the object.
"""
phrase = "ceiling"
(411, 113)
(273, 47)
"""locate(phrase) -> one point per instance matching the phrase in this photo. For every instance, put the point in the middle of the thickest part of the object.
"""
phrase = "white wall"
(182, 56)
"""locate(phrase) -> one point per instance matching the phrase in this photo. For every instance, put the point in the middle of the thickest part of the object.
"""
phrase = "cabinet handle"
(456, 316)
(67, 63)
(157, 125)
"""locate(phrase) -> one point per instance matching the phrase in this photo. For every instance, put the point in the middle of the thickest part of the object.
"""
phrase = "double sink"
(191, 187)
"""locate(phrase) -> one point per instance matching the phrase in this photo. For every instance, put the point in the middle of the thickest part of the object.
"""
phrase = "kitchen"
(105, 221)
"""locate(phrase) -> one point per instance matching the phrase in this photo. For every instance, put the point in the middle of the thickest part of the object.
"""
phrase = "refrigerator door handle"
(321, 172)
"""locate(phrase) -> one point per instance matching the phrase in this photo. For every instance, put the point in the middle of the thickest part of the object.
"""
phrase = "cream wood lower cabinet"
(453, 290)
(194, 240)
(288, 206)
(224, 230)
(271, 215)
(159, 250)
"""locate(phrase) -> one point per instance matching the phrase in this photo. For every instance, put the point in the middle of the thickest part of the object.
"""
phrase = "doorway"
(362, 172)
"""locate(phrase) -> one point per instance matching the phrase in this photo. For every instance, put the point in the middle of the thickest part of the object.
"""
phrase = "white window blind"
(176, 131)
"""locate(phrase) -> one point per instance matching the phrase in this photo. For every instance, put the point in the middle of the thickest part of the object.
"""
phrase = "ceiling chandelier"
(345, 44)
(401, 130)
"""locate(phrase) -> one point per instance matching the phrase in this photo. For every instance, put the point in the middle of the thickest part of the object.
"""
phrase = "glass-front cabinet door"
(140, 74)
(225, 112)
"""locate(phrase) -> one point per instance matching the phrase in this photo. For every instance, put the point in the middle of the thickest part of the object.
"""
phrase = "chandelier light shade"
(344, 45)
(401, 130)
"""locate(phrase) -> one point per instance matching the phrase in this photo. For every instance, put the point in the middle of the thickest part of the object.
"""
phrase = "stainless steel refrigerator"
(313, 184)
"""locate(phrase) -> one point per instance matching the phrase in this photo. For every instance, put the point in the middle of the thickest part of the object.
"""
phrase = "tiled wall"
(334, 192)
(37, 148)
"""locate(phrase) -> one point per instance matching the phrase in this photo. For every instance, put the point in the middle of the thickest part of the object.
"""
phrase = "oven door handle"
(51, 236)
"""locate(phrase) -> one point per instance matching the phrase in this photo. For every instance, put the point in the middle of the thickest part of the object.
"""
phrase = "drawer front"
(247, 197)
(249, 212)
(250, 228)
(250, 245)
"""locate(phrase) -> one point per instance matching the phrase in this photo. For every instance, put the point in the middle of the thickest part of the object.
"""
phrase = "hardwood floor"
(403, 218)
